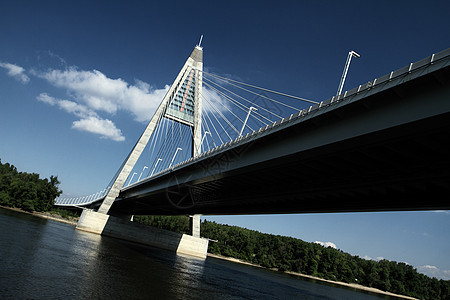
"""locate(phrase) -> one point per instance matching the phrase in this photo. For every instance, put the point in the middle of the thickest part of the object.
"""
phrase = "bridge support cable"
(221, 97)
(265, 97)
(167, 144)
(248, 101)
(155, 138)
(167, 132)
(212, 124)
(210, 110)
(221, 114)
(239, 105)
(217, 120)
(171, 135)
(231, 112)
(205, 124)
(259, 88)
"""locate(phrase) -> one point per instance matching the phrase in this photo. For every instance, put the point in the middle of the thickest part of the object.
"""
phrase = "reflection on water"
(189, 274)
(44, 259)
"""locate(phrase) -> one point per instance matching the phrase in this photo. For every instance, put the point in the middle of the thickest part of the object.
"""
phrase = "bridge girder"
(386, 149)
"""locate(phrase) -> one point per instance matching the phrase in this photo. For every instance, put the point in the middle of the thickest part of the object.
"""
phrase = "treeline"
(26, 190)
(291, 254)
(178, 224)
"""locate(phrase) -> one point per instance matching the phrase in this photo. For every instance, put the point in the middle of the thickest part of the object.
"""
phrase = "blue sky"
(80, 79)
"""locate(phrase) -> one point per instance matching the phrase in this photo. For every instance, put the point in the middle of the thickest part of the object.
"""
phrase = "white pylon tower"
(182, 103)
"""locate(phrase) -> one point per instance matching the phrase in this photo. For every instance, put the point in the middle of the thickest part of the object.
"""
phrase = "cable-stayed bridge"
(217, 145)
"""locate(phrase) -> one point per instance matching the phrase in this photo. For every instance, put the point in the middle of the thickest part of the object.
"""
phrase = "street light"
(174, 156)
(145, 167)
(246, 119)
(204, 135)
(344, 74)
(159, 159)
(131, 178)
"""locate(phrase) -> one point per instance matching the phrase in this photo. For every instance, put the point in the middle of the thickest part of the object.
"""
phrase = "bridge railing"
(82, 200)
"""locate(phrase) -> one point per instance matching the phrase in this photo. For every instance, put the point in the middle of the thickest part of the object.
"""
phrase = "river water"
(44, 259)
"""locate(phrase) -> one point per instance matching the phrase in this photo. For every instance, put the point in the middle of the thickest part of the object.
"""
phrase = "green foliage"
(66, 214)
(291, 254)
(174, 223)
(26, 191)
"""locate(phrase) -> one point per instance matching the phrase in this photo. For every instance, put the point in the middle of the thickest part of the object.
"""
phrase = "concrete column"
(195, 225)
(197, 126)
(107, 225)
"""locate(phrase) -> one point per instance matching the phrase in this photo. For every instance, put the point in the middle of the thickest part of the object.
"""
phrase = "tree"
(290, 254)
(25, 190)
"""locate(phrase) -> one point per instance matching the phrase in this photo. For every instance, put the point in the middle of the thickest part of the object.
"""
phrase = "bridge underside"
(405, 166)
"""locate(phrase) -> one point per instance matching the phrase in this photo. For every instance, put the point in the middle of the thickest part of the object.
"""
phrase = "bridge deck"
(381, 146)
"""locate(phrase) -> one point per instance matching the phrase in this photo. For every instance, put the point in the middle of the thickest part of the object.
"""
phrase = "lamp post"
(174, 156)
(204, 135)
(159, 159)
(145, 167)
(246, 119)
(134, 173)
(344, 74)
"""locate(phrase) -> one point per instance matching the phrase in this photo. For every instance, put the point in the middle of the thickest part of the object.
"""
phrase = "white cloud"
(71, 107)
(366, 257)
(92, 92)
(100, 93)
(326, 244)
(105, 128)
(90, 120)
(428, 267)
(44, 97)
(16, 72)
(76, 109)
(214, 101)
(433, 271)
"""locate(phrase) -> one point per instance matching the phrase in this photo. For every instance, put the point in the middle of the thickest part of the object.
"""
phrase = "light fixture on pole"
(204, 135)
(159, 159)
(174, 156)
(145, 167)
(246, 119)
(131, 178)
(344, 74)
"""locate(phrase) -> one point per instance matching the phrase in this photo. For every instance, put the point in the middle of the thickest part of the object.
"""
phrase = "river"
(45, 259)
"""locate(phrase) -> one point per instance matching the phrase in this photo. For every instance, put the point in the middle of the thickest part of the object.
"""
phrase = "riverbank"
(350, 285)
(45, 215)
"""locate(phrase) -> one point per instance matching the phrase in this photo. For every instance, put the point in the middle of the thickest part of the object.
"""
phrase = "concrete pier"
(107, 225)
(195, 225)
